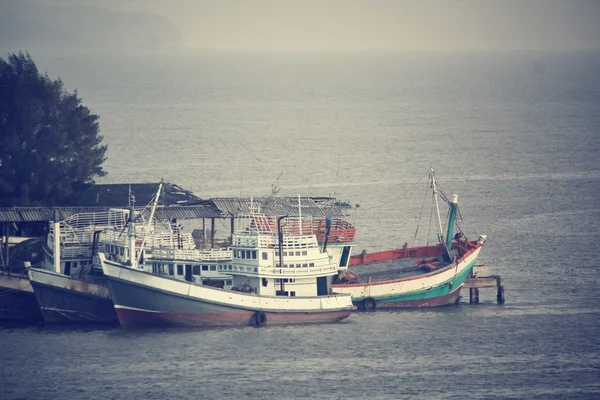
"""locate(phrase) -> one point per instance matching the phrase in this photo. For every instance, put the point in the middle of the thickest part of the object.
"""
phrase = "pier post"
(474, 295)
(475, 282)
(500, 283)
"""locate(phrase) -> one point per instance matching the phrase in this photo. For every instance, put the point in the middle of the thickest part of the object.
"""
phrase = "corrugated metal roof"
(31, 214)
(117, 195)
(188, 212)
(221, 207)
(278, 206)
(9, 215)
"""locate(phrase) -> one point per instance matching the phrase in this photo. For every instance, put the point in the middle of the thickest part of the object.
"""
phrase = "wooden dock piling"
(475, 282)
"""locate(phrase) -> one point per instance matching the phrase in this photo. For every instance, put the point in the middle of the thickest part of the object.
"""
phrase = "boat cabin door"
(322, 289)
(345, 256)
(188, 273)
(68, 268)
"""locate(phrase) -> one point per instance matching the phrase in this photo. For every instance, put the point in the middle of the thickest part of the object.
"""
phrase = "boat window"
(292, 293)
(304, 265)
(254, 254)
(171, 270)
(205, 268)
(243, 254)
(298, 266)
(284, 253)
(196, 270)
(179, 269)
(228, 282)
(265, 255)
(229, 267)
(213, 267)
(248, 256)
(304, 252)
(311, 264)
(298, 253)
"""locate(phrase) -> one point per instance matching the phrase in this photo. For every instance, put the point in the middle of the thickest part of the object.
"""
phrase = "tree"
(49, 141)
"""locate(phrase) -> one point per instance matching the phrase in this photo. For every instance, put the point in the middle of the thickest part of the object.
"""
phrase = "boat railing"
(169, 239)
(278, 272)
(302, 271)
(189, 254)
(153, 239)
(104, 219)
(341, 231)
(270, 241)
(72, 252)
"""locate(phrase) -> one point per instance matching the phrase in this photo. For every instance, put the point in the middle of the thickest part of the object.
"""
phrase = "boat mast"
(437, 206)
(280, 247)
(299, 215)
(131, 233)
(451, 220)
(150, 220)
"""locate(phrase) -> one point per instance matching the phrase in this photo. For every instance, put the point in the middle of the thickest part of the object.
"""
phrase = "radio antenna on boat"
(299, 214)
(150, 219)
(131, 231)
(274, 188)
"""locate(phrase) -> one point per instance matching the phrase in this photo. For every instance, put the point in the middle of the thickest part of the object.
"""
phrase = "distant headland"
(28, 24)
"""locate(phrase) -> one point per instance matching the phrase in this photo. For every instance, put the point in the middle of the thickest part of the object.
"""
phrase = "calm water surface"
(517, 136)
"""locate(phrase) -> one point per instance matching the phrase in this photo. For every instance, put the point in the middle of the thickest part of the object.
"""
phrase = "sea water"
(515, 135)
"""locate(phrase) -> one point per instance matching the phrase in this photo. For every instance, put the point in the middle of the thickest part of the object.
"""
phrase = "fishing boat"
(407, 277)
(71, 288)
(68, 286)
(17, 300)
(279, 274)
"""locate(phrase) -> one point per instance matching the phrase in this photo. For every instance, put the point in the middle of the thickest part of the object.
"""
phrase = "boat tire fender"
(260, 319)
(369, 304)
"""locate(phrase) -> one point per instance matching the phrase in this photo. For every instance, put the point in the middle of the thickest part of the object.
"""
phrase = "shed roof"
(31, 214)
(232, 206)
(117, 195)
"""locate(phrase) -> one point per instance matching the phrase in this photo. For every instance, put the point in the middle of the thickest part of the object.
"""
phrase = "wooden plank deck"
(476, 282)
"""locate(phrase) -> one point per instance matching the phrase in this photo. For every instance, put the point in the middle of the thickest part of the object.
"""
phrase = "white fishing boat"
(280, 274)
(71, 288)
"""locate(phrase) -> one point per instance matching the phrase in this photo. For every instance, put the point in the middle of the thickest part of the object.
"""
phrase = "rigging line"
(420, 215)
(431, 218)
(413, 187)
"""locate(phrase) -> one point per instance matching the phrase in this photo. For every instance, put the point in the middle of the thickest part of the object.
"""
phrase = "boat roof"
(278, 206)
(174, 202)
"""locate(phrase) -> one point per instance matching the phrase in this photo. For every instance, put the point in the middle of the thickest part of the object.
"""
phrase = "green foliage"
(49, 142)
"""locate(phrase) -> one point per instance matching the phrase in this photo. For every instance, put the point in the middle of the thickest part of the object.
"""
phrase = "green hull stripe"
(431, 293)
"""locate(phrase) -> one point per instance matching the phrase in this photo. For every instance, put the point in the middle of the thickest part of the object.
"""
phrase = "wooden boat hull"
(17, 300)
(63, 299)
(143, 299)
(437, 288)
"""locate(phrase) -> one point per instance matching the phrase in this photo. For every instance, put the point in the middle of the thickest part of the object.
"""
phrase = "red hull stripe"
(128, 317)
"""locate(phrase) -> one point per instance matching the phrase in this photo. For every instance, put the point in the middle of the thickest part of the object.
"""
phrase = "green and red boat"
(408, 277)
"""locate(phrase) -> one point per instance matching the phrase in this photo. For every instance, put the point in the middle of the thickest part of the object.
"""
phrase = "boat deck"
(394, 269)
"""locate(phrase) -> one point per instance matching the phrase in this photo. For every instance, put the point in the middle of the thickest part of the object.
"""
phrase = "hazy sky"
(375, 24)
